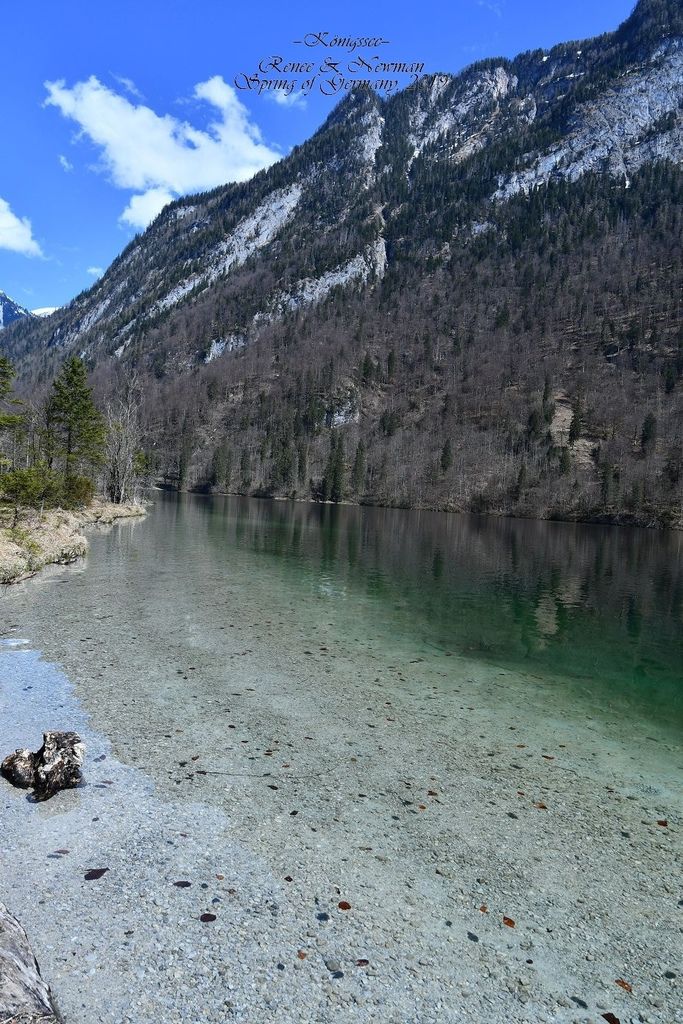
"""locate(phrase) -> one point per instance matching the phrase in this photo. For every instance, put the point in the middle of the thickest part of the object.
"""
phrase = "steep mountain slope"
(10, 311)
(444, 280)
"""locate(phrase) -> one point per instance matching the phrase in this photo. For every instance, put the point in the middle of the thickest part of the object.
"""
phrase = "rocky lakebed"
(284, 820)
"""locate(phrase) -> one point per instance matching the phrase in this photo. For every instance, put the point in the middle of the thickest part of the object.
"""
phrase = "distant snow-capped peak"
(10, 310)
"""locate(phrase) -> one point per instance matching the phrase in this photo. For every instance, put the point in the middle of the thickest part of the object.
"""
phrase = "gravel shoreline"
(54, 537)
(363, 859)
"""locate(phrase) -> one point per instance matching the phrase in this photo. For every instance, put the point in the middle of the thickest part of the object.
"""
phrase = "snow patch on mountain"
(182, 211)
(310, 291)
(177, 293)
(257, 230)
(439, 86)
(126, 340)
(216, 349)
(220, 345)
(341, 417)
(251, 234)
(10, 310)
(612, 133)
(373, 122)
(484, 90)
(95, 315)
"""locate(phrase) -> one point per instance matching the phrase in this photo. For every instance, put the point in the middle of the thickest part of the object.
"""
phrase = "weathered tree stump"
(24, 996)
(20, 768)
(57, 765)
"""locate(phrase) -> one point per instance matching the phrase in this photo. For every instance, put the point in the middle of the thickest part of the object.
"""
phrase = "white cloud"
(16, 233)
(129, 85)
(158, 156)
(296, 98)
(95, 271)
(495, 6)
(142, 209)
(66, 164)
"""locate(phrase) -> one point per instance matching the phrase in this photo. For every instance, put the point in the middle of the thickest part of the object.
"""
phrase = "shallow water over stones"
(356, 729)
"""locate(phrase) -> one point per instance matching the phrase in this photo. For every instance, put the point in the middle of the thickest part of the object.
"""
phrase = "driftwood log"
(57, 765)
(24, 996)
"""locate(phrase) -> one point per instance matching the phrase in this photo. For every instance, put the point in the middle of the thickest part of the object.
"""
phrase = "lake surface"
(598, 608)
(446, 722)
(587, 619)
(594, 614)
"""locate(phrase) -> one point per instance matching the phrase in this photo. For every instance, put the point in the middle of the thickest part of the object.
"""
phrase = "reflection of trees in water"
(596, 603)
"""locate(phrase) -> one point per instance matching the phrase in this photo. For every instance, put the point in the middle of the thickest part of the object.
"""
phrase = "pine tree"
(221, 466)
(7, 420)
(76, 427)
(245, 469)
(6, 378)
(31, 487)
(521, 481)
(446, 457)
(575, 426)
(302, 463)
(358, 472)
(333, 481)
(283, 464)
(368, 369)
(648, 437)
(337, 483)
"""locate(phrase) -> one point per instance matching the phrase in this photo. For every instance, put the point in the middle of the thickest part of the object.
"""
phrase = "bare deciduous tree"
(124, 438)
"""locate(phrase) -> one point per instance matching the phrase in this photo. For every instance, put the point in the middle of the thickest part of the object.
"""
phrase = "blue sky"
(110, 109)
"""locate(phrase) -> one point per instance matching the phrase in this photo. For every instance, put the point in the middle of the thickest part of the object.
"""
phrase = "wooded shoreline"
(655, 520)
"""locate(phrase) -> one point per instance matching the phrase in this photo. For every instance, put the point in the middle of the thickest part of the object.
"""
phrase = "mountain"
(10, 311)
(464, 296)
(45, 311)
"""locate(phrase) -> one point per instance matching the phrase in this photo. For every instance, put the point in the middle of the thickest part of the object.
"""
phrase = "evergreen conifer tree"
(76, 426)
(446, 457)
(648, 437)
(7, 419)
(337, 483)
(358, 473)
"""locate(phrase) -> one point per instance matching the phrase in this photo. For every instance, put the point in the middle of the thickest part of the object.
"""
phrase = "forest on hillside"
(536, 370)
(512, 353)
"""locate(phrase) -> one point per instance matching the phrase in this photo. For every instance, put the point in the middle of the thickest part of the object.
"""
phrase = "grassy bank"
(52, 537)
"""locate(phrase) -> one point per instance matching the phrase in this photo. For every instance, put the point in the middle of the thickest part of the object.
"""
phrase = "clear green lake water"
(578, 621)
(598, 611)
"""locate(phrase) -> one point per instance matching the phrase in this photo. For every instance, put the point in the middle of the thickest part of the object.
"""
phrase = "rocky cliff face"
(634, 121)
(481, 223)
